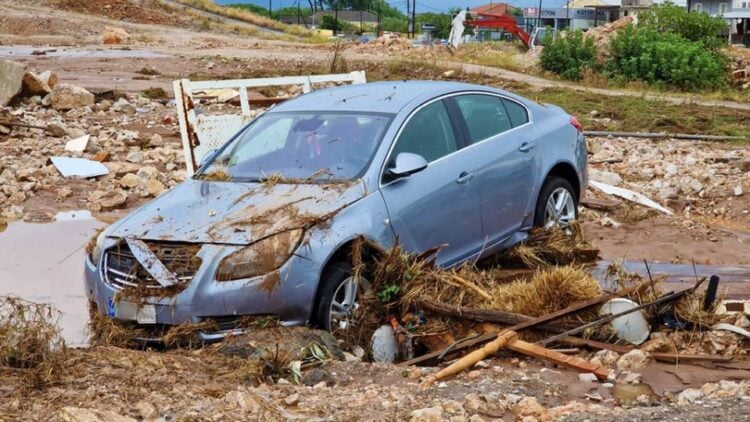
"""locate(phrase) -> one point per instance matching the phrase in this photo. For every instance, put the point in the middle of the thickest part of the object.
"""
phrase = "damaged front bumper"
(201, 298)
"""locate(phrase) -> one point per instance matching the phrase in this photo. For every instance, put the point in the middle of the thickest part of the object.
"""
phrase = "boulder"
(39, 84)
(68, 97)
(607, 177)
(130, 181)
(634, 359)
(102, 201)
(120, 168)
(428, 414)
(156, 140)
(11, 76)
(114, 35)
(529, 406)
(689, 395)
(155, 187)
(57, 130)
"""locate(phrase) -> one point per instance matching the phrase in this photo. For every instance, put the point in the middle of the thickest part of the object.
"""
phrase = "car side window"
(428, 133)
(485, 115)
(516, 112)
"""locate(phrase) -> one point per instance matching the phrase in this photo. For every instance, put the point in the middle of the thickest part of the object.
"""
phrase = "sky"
(422, 5)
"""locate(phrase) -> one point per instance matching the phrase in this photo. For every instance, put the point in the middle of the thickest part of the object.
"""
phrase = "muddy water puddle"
(62, 52)
(44, 263)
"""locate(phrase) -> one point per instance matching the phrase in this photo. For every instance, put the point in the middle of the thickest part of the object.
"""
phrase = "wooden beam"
(573, 362)
(522, 322)
(509, 339)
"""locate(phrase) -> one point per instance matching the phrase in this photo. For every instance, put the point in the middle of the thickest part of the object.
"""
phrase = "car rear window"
(516, 112)
(485, 115)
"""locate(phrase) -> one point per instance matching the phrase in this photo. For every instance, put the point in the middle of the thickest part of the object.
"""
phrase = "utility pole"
(380, 22)
(414, 19)
(361, 12)
(408, 19)
(539, 15)
(336, 17)
(270, 8)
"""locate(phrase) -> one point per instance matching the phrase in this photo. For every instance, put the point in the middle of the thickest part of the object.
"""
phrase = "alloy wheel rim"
(345, 303)
(560, 209)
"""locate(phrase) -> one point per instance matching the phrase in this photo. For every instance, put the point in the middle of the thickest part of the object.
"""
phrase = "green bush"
(568, 55)
(672, 19)
(330, 22)
(665, 58)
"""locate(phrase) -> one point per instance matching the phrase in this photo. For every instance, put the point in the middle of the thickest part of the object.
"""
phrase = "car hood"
(236, 213)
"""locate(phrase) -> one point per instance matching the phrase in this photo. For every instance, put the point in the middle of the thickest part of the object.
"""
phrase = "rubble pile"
(690, 177)
(604, 33)
(121, 131)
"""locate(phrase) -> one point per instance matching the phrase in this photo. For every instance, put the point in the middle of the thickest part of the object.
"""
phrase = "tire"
(553, 185)
(332, 278)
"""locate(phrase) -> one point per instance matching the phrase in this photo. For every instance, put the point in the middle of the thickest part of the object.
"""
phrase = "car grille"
(121, 269)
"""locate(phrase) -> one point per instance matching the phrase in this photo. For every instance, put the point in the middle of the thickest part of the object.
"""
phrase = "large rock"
(41, 84)
(634, 359)
(11, 76)
(102, 201)
(114, 35)
(68, 97)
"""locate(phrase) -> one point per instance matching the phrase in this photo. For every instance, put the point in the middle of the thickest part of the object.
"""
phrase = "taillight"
(576, 123)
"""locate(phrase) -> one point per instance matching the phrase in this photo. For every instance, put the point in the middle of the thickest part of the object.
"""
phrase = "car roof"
(378, 97)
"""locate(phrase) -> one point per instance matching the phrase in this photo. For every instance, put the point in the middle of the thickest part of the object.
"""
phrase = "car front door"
(440, 204)
(503, 148)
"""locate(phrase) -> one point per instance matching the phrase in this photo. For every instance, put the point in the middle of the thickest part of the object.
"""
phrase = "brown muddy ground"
(44, 263)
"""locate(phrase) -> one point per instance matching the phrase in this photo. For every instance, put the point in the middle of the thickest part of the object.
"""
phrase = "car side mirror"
(207, 157)
(407, 164)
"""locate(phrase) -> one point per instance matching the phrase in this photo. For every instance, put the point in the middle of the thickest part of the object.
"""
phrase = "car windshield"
(320, 146)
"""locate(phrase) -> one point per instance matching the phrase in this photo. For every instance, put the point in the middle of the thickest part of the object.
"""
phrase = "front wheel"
(338, 306)
(557, 205)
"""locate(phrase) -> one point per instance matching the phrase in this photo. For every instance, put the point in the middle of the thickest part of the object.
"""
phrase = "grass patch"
(631, 114)
(251, 18)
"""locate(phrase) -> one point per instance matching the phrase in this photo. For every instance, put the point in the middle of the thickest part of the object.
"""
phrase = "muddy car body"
(469, 167)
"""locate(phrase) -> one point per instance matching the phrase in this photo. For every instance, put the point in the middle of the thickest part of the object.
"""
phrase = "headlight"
(259, 258)
(94, 248)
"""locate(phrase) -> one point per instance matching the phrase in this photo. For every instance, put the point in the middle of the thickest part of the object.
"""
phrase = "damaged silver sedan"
(266, 226)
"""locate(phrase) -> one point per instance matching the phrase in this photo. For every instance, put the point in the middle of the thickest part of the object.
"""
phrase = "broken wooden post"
(509, 339)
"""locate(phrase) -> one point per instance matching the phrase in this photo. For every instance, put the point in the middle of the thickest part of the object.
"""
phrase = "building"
(737, 14)
(561, 18)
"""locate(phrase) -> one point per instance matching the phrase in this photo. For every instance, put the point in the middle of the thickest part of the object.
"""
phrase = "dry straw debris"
(32, 345)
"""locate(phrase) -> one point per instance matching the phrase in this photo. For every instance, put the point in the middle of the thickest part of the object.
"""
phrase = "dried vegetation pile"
(32, 350)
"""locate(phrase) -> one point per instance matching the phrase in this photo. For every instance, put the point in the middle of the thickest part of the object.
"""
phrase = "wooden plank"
(523, 322)
(573, 362)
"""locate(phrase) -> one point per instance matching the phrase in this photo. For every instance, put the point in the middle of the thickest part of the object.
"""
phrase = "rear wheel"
(557, 205)
(339, 300)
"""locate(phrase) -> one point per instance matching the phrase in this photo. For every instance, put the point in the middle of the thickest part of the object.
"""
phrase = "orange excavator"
(488, 21)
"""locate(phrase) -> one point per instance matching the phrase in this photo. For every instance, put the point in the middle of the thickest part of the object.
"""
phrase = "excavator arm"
(505, 22)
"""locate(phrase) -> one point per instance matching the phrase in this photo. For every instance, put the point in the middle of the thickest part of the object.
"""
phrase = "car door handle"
(526, 147)
(464, 177)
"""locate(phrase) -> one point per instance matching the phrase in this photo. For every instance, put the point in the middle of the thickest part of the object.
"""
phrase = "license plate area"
(141, 313)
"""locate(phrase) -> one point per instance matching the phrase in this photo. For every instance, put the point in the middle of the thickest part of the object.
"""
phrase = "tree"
(673, 19)
(329, 22)
(442, 22)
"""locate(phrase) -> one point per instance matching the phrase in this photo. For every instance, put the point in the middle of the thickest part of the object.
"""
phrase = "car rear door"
(504, 151)
(440, 204)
